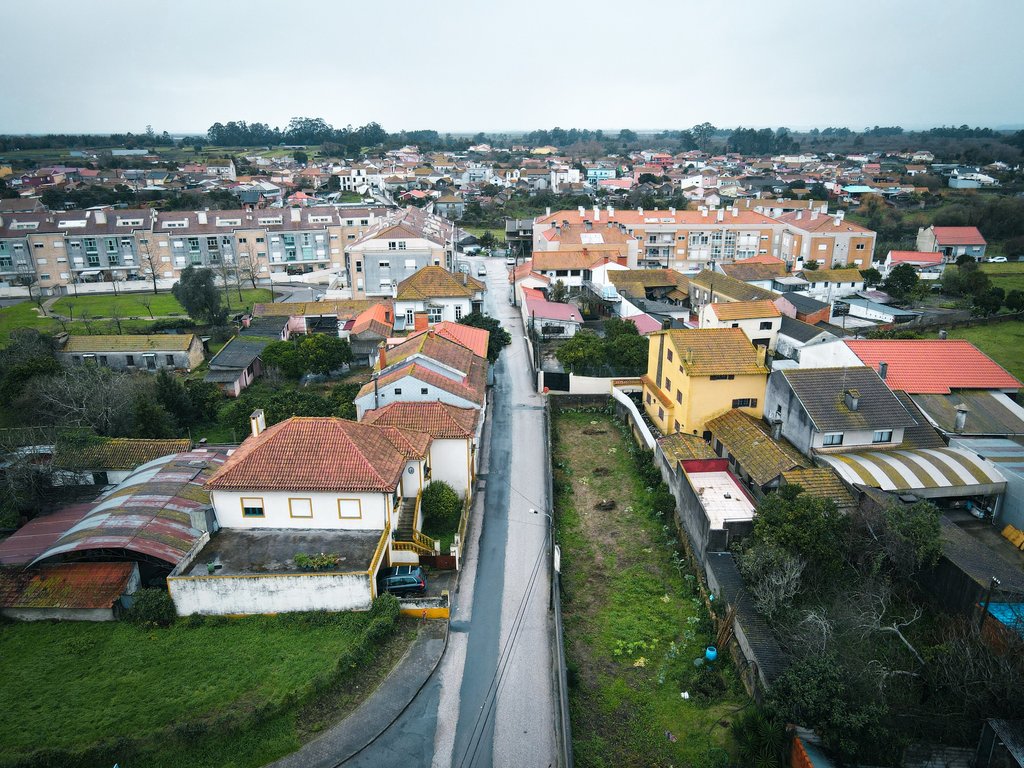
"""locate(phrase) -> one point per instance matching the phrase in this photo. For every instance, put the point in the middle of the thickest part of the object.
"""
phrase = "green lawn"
(72, 685)
(1008, 276)
(1003, 342)
(23, 315)
(131, 304)
(499, 233)
(634, 620)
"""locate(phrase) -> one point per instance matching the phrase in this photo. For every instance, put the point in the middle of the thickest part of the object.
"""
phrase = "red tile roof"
(434, 282)
(312, 453)
(68, 585)
(439, 420)
(543, 309)
(915, 257)
(471, 387)
(933, 366)
(958, 236)
(473, 339)
(36, 536)
(434, 346)
(378, 319)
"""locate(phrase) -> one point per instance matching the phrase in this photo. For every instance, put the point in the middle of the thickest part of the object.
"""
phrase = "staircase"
(408, 539)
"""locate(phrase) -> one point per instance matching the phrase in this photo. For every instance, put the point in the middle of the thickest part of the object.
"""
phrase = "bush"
(152, 608)
(441, 505)
(706, 684)
(170, 324)
(220, 334)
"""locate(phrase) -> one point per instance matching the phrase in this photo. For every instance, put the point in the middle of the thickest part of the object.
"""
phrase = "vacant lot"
(177, 692)
(634, 621)
(1008, 276)
(498, 232)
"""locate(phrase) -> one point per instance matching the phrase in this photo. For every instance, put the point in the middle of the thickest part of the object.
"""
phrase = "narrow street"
(491, 702)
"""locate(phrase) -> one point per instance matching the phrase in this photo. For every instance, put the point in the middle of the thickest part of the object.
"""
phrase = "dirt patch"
(592, 431)
(605, 505)
(600, 472)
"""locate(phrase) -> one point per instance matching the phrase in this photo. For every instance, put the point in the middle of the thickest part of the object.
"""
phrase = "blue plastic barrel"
(711, 653)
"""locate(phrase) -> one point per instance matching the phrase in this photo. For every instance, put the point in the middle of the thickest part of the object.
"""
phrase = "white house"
(308, 485)
(455, 437)
(440, 294)
(759, 320)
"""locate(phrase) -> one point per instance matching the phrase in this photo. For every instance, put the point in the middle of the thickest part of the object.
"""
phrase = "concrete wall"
(226, 595)
(451, 461)
(59, 614)
(411, 392)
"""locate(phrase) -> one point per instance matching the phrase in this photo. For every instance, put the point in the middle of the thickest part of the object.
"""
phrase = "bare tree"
(87, 322)
(147, 302)
(773, 577)
(150, 260)
(115, 317)
(86, 396)
(248, 267)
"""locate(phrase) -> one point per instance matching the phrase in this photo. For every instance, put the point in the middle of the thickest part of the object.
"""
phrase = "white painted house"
(438, 293)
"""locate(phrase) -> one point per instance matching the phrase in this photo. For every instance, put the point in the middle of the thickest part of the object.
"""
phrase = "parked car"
(510, 261)
(471, 249)
(997, 260)
(481, 270)
(403, 580)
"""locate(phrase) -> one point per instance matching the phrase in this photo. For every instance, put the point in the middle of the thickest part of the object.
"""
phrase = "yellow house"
(695, 375)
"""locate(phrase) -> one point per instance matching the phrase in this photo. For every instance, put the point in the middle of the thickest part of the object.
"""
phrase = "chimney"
(883, 369)
(583, 211)
(597, 213)
(465, 278)
(703, 211)
(382, 356)
(257, 421)
(735, 211)
(721, 215)
(943, 335)
(201, 217)
(640, 211)
(547, 211)
(762, 353)
(961, 418)
(852, 398)
(838, 220)
(611, 210)
(799, 215)
(776, 429)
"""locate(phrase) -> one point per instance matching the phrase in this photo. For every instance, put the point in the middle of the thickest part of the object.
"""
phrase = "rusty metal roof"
(66, 585)
(36, 536)
(148, 512)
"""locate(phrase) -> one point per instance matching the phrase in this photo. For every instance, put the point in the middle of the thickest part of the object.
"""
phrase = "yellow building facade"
(695, 375)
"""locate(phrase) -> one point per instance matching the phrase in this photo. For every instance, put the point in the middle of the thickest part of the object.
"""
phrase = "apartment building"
(56, 250)
(674, 239)
(814, 236)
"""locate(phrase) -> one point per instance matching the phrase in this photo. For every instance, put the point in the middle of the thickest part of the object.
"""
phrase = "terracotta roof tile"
(680, 446)
(821, 483)
(933, 366)
(68, 585)
(116, 453)
(439, 420)
(309, 453)
(437, 282)
(958, 236)
(730, 287)
(378, 319)
(745, 310)
(747, 439)
(161, 342)
(715, 351)
(471, 387)
(434, 346)
(472, 338)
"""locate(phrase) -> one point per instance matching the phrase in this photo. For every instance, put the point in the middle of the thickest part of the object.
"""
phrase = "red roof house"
(933, 366)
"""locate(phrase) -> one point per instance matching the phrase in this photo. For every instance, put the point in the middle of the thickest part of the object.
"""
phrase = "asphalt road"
(491, 702)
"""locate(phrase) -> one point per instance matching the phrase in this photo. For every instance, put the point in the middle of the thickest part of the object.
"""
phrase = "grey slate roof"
(821, 392)
(799, 330)
(986, 415)
(239, 352)
(804, 304)
(265, 326)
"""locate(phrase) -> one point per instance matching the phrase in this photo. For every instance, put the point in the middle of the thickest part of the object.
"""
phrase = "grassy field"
(634, 622)
(1003, 342)
(24, 315)
(131, 304)
(99, 682)
(1007, 276)
(499, 233)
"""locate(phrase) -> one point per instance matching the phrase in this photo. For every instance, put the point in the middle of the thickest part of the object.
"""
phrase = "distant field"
(499, 234)
(1003, 342)
(131, 304)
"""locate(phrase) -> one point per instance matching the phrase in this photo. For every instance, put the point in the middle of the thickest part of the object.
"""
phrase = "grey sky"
(468, 65)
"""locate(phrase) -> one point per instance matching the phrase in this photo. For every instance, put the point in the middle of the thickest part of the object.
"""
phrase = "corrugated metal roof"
(148, 513)
(67, 585)
(37, 535)
(915, 470)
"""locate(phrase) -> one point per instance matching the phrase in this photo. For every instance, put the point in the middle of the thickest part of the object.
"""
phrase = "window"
(766, 325)
(679, 396)
(745, 402)
(669, 355)
(668, 384)
(882, 436)
(129, 359)
(252, 507)
(103, 360)
(458, 312)
(37, 245)
(350, 509)
(44, 277)
(359, 266)
(434, 314)
(398, 390)
(169, 359)
(833, 438)
(860, 246)
(649, 401)
(300, 507)
(260, 240)
(150, 361)
(661, 412)
(392, 245)
(822, 247)
(724, 377)
(677, 426)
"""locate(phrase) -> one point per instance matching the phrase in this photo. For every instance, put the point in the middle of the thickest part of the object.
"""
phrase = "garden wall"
(239, 595)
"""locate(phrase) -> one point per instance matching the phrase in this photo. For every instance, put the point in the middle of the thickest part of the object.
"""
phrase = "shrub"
(221, 333)
(170, 324)
(441, 506)
(152, 608)
(706, 683)
(320, 562)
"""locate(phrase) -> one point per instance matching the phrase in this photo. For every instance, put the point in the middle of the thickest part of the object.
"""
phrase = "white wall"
(411, 393)
(859, 439)
(450, 462)
(372, 508)
(448, 304)
(219, 595)
(834, 354)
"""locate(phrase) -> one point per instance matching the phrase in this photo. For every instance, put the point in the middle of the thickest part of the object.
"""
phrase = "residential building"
(952, 242)
(920, 260)
(804, 308)
(960, 390)
(795, 334)
(438, 293)
(694, 375)
(758, 459)
(455, 437)
(238, 364)
(708, 287)
(451, 206)
(759, 271)
(182, 352)
(549, 318)
(825, 410)
(825, 239)
(110, 460)
(759, 320)
(826, 285)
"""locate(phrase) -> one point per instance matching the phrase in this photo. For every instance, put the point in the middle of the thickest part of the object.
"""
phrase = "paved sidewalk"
(375, 715)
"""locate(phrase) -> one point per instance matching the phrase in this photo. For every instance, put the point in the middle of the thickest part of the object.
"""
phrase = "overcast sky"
(469, 65)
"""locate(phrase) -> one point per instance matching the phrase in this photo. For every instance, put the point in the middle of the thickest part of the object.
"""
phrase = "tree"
(987, 302)
(198, 294)
(172, 396)
(584, 349)
(285, 357)
(300, 157)
(498, 339)
(1015, 300)
(248, 267)
(487, 239)
(86, 396)
(322, 354)
(702, 134)
(441, 506)
(810, 265)
(558, 292)
(901, 281)
(872, 276)
(899, 540)
(151, 420)
(28, 354)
